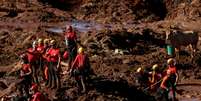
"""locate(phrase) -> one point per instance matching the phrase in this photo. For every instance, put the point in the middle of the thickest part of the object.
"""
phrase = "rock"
(3, 85)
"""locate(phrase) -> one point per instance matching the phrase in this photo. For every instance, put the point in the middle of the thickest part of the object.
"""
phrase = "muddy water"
(85, 26)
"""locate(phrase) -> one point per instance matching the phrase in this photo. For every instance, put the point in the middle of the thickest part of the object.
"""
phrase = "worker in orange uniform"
(81, 69)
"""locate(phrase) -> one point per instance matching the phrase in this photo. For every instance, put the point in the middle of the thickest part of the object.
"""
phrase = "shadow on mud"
(121, 88)
(137, 43)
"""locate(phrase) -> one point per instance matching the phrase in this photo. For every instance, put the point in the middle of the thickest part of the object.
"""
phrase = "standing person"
(25, 75)
(167, 87)
(81, 69)
(40, 51)
(46, 43)
(53, 58)
(32, 59)
(70, 40)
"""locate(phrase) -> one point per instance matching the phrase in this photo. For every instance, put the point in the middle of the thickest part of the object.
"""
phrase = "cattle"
(183, 38)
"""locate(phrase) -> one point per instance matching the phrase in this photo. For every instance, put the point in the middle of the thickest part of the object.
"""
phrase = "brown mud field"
(118, 35)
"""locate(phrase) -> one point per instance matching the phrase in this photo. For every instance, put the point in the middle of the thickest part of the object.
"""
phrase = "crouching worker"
(81, 69)
(36, 94)
(25, 74)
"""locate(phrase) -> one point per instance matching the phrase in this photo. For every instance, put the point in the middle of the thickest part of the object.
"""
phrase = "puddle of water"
(55, 30)
(84, 26)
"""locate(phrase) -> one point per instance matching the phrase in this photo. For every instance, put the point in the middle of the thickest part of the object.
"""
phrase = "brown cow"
(183, 38)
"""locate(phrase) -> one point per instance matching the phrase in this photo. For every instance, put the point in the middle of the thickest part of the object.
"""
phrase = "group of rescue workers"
(163, 82)
(41, 64)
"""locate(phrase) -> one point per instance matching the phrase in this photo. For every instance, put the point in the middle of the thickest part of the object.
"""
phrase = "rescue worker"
(70, 40)
(53, 58)
(32, 59)
(166, 87)
(173, 74)
(143, 77)
(81, 69)
(46, 48)
(25, 74)
(155, 77)
(40, 51)
(37, 95)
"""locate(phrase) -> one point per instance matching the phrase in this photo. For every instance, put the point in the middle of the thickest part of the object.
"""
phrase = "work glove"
(175, 84)
(167, 89)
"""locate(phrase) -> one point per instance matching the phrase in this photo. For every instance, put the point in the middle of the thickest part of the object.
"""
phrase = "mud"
(119, 36)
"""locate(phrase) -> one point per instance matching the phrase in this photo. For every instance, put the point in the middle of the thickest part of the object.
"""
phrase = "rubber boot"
(83, 84)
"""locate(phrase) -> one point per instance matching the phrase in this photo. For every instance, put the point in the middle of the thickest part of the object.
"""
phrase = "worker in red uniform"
(32, 59)
(171, 66)
(81, 69)
(25, 74)
(166, 91)
(155, 77)
(70, 40)
(40, 51)
(53, 58)
(46, 44)
(37, 95)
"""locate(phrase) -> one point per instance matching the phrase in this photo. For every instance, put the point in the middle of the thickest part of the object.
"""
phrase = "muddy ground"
(118, 35)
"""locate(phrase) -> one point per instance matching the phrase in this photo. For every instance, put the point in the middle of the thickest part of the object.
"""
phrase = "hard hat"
(139, 70)
(52, 42)
(40, 41)
(170, 61)
(80, 50)
(46, 41)
(154, 67)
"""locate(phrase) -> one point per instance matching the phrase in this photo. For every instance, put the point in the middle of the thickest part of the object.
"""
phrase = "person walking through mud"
(53, 58)
(155, 77)
(71, 44)
(167, 89)
(81, 69)
(168, 85)
(25, 75)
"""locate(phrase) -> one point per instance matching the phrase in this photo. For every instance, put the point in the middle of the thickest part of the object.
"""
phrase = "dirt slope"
(132, 27)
